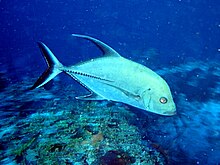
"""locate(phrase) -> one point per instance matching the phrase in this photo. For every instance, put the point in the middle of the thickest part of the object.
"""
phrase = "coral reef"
(67, 131)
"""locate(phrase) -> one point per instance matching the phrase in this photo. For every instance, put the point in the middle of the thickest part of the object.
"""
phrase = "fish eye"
(163, 100)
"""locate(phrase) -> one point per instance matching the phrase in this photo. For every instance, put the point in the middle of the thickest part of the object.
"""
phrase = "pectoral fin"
(127, 93)
(91, 96)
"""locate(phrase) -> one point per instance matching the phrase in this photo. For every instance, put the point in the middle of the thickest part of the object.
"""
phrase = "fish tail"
(54, 67)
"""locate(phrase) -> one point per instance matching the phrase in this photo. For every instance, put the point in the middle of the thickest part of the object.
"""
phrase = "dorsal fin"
(106, 50)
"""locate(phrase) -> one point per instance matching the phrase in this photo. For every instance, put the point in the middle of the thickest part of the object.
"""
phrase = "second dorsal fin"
(107, 50)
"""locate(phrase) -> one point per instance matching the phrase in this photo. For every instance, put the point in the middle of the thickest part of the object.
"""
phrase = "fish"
(113, 77)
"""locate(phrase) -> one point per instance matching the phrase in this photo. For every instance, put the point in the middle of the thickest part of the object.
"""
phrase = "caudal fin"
(54, 67)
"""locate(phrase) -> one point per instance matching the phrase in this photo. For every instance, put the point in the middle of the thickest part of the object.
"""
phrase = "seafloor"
(48, 126)
(51, 127)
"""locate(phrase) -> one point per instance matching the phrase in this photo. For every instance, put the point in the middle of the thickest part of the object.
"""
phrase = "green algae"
(24, 147)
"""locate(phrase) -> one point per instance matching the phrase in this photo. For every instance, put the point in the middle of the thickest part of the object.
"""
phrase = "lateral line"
(88, 75)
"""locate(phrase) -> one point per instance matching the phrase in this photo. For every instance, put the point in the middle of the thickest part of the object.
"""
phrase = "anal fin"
(91, 96)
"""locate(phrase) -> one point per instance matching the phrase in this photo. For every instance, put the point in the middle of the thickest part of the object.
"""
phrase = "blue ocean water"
(179, 39)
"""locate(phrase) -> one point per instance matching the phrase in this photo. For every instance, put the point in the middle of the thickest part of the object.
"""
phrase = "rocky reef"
(50, 127)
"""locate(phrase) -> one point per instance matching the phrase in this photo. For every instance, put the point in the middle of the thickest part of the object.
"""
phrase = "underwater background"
(179, 39)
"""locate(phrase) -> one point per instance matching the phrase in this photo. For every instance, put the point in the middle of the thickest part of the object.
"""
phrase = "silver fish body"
(115, 78)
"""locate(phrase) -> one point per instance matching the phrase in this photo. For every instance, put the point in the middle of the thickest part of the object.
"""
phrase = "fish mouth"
(169, 113)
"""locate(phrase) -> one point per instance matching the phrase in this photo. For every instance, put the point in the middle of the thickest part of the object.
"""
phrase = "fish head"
(158, 99)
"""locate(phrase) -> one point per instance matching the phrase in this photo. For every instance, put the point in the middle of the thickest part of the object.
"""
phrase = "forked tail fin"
(54, 67)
